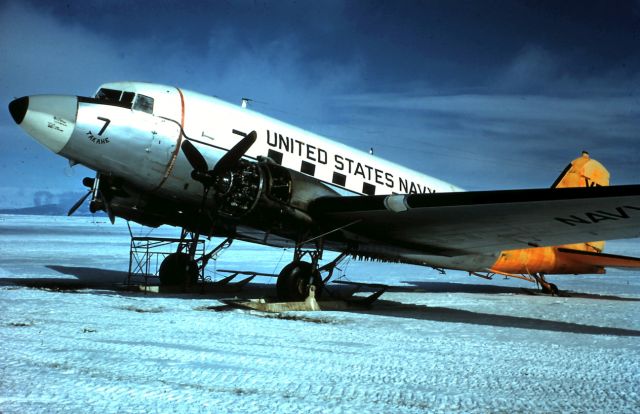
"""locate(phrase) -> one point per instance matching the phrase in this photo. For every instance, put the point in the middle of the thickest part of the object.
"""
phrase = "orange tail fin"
(575, 258)
(584, 172)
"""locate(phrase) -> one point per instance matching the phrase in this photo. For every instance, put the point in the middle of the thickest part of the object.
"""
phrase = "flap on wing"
(488, 221)
(600, 259)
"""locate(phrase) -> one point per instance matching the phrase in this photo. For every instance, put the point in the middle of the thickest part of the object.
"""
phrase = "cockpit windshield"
(125, 99)
(113, 95)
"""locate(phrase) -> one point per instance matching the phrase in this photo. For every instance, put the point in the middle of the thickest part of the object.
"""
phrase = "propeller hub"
(88, 182)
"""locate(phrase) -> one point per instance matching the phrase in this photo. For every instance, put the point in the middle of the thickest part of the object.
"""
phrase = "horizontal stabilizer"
(600, 259)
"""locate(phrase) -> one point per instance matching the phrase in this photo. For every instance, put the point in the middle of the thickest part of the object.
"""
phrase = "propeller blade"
(107, 207)
(194, 157)
(231, 158)
(78, 203)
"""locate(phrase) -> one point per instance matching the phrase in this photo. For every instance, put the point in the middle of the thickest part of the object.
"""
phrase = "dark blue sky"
(485, 94)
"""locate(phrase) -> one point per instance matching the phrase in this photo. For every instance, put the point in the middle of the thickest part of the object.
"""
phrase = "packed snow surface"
(72, 342)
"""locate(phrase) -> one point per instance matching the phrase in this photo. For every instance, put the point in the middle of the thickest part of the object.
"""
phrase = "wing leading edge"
(482, 222)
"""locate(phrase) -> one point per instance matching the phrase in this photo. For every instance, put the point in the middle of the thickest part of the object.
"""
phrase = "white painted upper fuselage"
(215, 126)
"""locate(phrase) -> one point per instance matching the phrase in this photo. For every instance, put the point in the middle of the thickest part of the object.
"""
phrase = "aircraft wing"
(478, 222)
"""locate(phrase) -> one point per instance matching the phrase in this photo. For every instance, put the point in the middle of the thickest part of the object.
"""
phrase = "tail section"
(587, 172)
(583, 172)
(586, 257)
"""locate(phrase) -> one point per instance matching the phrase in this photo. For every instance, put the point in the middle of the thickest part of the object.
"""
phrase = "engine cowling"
(265, 194)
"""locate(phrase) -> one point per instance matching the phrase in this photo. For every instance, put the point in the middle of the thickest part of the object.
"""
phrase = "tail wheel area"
(545, 287)
(550, 288)
(294, 281)
(178, 269)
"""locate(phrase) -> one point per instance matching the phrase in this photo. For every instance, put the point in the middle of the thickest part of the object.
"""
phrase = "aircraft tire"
(176, 269)
(293, 282)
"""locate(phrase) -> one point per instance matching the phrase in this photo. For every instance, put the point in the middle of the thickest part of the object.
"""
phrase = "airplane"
(166, 155)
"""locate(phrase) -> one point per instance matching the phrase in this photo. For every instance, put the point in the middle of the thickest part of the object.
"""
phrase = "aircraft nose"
(50, 119)
(18, 108)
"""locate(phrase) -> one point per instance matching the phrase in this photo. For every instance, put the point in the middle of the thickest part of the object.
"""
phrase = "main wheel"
(177, 269)
(294, 280)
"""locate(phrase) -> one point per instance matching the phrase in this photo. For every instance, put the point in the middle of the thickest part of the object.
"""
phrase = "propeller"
(197, 161)
(98, 197)
(201, 172)
(208, 178)
(92, 183)
(79, 203)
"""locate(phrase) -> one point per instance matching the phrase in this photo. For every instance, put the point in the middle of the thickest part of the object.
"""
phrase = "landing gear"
(178, 269)
(295, 279)
(181, 268)
(545, 287)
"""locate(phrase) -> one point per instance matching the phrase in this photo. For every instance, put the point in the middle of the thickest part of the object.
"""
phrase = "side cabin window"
(143, 103)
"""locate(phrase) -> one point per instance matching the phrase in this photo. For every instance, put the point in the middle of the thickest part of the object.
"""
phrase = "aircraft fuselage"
(132, 133)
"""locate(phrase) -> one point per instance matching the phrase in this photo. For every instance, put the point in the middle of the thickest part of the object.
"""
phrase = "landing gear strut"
(545, 286)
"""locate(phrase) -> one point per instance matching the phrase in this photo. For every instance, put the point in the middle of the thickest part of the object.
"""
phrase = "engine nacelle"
(265, 192)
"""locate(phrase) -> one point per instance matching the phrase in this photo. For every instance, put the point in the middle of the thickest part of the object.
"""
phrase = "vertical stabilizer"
(583, 172)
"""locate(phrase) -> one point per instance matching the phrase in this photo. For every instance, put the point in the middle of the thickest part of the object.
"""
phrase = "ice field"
(71, 342)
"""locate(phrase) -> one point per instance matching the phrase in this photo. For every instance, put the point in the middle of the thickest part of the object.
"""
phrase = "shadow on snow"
(93, 278)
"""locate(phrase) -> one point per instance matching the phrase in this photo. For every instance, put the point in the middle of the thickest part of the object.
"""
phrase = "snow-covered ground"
(70, 342)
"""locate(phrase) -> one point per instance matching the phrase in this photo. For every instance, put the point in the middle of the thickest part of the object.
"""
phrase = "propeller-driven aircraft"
(165, 155)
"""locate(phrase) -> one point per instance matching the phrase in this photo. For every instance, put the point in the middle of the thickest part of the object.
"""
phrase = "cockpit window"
(124, 99)
(127, 98)
(143, 103)
(115, 97)
(105, 94)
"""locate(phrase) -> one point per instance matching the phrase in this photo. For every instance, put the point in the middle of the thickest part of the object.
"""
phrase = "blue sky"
(484, 94)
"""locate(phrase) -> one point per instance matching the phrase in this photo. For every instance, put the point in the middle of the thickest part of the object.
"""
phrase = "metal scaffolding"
(147, 253)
